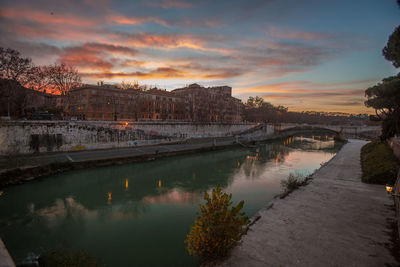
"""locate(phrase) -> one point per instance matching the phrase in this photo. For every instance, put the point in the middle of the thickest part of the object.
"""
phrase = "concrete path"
(336, 220)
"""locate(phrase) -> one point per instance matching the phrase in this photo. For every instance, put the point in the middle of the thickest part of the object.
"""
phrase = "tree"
(38, 79)
(126, 85)
(63, 78)
(385, 96)
(14, 70)
(218, 227)
(385, 99)
(392, 49)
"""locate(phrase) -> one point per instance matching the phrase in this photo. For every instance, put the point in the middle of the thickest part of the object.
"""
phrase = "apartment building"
(211, 104)
(107, 102)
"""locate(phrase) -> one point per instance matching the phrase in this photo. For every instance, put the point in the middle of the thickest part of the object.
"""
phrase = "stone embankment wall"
(24, 137)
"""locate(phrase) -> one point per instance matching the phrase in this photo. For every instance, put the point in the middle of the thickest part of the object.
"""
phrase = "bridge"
(267, 131)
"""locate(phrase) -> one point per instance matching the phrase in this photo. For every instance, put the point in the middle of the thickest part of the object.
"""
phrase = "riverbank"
(27, 168)
(336, 220)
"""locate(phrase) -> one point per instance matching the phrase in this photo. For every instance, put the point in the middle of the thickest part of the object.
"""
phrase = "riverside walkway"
(336, 220)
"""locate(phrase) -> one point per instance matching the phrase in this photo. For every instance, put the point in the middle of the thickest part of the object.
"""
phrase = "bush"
(218, 228)
(293, 182)
(64, 258)
(379, 165)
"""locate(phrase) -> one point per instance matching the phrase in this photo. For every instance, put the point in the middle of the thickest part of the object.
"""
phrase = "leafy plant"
(218, 228)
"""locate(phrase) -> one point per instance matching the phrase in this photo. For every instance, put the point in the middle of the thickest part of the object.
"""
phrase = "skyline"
(306, 55)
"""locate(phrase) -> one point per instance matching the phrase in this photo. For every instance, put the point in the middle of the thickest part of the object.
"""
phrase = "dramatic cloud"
(271, 48)
(94, 55)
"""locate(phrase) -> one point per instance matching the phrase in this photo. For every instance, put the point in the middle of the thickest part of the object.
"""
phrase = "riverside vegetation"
(379, 165)
(218, 228)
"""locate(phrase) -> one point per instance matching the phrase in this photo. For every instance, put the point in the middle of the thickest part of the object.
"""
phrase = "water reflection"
(174, 196)
(147, 209)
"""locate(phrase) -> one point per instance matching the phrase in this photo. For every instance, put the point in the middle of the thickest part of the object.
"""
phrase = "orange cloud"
(120, 19)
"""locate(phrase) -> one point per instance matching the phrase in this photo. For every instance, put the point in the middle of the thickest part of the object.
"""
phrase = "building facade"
(107, 102)
(192, 103)
(212, 104)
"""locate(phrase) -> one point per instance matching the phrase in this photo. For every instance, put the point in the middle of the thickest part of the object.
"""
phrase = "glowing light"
(109, 197)
(1, 193)
(238, 164)
(126, 184)
(159, 184)
(126, 124)
(389, 188)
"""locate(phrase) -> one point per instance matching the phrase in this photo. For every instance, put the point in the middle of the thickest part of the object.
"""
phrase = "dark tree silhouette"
(385, 96)
(14, 71)
(392, 49)
(385, 99)
(63, 77)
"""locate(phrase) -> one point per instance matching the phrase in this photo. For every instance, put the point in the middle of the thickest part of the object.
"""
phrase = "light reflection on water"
(139, 214)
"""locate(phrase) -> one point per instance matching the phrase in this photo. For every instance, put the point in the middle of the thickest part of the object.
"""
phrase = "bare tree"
(63, 78)
(126, 85)
(38, 79)
(14, 70)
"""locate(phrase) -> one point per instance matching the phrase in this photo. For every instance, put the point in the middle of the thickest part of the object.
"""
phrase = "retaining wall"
(24, 137)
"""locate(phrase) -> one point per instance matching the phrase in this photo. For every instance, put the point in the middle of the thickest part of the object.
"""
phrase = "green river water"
(139, 214)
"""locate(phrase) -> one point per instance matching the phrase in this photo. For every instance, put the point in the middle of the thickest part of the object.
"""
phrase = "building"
(107, 102)
(212, 104)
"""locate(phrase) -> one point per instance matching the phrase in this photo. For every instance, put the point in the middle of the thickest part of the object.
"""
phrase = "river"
(139, 214)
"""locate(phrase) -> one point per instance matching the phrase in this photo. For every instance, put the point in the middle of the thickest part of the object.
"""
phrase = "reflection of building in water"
(174, 196)
(65, 209)
(62, 209)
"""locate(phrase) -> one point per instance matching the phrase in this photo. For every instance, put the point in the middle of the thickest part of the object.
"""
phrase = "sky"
(303, 54)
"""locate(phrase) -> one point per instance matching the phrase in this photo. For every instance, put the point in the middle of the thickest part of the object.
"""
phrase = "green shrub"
(379, 165)
(65, 258)
(218, 228)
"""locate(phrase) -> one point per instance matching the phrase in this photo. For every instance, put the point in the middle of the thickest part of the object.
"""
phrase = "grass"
(379, 165)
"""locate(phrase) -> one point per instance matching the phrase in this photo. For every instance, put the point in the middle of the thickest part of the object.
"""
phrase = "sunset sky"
(304, 54)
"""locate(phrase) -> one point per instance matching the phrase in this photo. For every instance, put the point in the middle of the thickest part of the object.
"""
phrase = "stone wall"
(25, 137)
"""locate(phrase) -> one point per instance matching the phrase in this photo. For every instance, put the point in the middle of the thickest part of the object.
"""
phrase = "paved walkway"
(336, 220)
